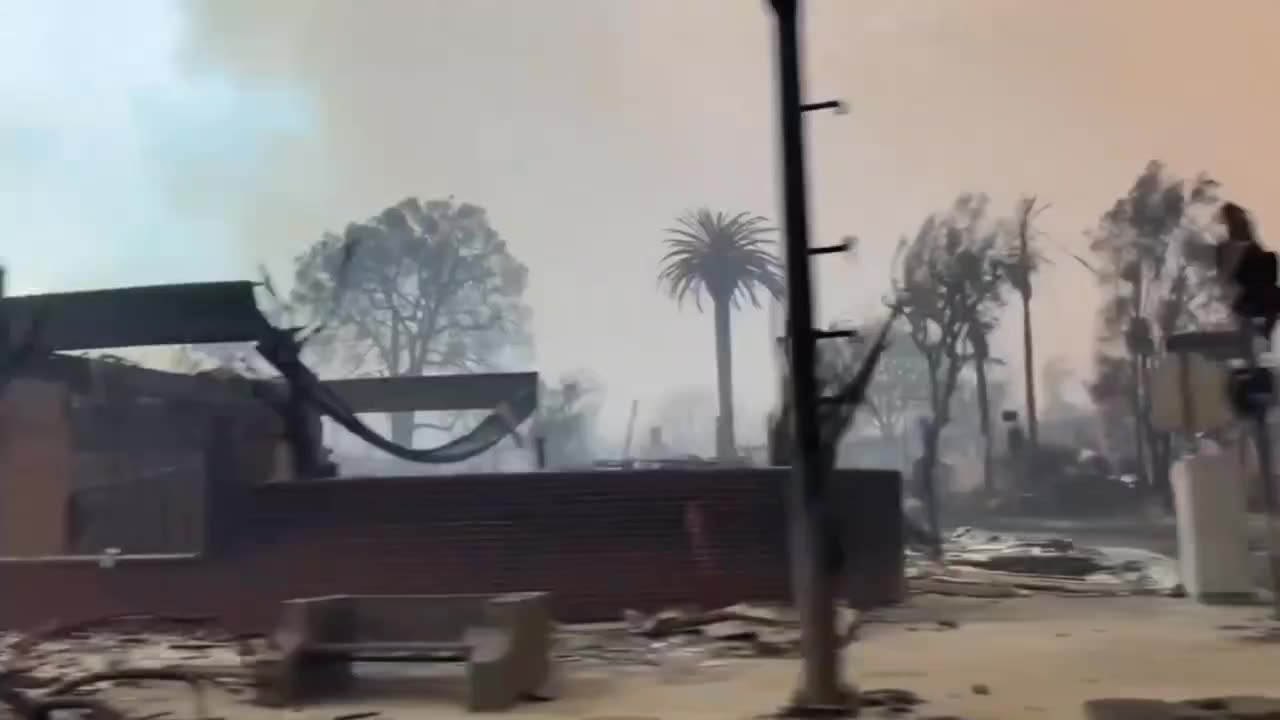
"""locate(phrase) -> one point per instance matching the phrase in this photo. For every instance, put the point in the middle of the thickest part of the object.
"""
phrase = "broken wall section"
(95, 455)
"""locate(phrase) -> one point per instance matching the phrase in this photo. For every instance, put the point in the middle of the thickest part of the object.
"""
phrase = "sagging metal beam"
(482, 391)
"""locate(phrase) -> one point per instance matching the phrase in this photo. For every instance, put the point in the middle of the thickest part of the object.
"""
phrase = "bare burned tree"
(895, 391)
(567, 417)
(423, 287)
(1155, 265)
(846, 369)
(687, 417)
(948, 289)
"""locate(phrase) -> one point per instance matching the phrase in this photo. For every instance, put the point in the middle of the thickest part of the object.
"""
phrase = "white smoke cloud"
(115, 163)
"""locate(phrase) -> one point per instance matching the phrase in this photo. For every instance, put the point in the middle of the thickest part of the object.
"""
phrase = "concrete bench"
(505, 641)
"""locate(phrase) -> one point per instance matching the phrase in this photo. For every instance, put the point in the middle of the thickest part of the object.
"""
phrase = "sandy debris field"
(1040, 656)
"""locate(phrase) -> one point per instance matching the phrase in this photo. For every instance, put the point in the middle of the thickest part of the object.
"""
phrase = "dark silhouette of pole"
(821, 687)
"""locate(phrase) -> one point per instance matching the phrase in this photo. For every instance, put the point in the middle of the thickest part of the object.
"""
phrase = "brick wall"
(35, 472)
(601, 542)
(96, 455)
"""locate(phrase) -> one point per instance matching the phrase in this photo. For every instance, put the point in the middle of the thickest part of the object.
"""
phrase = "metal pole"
(1266, 471)
(821, 688)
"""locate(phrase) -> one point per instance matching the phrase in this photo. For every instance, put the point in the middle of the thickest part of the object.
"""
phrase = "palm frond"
(726, 258)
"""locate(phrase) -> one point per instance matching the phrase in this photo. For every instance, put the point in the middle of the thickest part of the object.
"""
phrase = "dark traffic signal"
(1251, 390)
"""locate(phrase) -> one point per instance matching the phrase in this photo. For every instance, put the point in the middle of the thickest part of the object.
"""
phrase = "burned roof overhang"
(191, 313)
(200, 313)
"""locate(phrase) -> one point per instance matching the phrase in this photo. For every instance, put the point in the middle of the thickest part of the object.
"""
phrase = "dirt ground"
(1036, 657)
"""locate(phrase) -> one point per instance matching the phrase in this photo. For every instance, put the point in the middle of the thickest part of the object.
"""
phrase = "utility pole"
(821, 692)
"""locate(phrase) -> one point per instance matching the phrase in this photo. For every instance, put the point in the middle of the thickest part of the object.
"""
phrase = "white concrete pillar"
(1213, 538)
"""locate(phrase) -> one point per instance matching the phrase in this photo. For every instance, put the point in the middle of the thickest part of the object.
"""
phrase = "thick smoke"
(584, 126)
(114, 164)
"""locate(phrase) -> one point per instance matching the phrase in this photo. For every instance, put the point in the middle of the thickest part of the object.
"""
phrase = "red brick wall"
(35, 472)
(601, 542)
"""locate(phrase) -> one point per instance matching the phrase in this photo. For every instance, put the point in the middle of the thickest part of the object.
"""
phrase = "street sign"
(1189, 394)
(1212, 344)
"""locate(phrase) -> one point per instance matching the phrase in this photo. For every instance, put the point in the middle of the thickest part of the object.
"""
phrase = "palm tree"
(978, 341)
(729, 259)
(1020, 272)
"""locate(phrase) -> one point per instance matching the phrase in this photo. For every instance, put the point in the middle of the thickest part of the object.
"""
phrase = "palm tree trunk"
(1134, 336)
(984, 421)
(1158, 443)
(931, 434)
(1139, 430)
(725, 443)
(1029, 374)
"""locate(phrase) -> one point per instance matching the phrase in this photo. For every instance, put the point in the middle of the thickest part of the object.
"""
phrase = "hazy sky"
(149, 141)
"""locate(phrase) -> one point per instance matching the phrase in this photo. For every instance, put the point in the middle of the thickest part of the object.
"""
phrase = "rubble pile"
(978, 564)
(41, 661)
(686, 636)
(974, 564)
(675, 640)
(1261, 629)
(1248, 707)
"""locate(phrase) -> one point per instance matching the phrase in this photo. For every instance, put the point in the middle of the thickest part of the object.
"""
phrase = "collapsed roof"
(33, 326)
